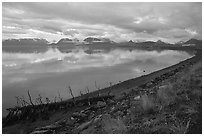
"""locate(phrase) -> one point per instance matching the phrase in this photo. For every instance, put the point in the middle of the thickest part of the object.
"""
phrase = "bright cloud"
(192, 32)
(119, 21)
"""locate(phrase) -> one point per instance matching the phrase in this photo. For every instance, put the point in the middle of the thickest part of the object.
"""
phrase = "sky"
(119, 21)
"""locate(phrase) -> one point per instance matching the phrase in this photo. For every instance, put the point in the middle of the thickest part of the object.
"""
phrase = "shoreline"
(128, 84)
(117, 89)
(116, 86)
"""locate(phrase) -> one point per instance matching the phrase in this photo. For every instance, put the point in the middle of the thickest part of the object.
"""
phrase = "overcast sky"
(170, 22)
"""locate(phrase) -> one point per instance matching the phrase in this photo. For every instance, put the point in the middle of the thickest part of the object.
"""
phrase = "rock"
(101, 104)
(149, 84)
(99, 116)
(61, 122)
(47, 129)
(97, 119)
(163, 87)
(128, 111)
(124, 102)
(82, 111)
(87, 111)
(41, 132)
(51, 127)
(84, 125)
(137, 98)
(71, 121)
(78, 115)
(112, 109)
(91, 115)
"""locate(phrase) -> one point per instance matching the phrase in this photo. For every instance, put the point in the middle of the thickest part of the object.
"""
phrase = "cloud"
(192, 32)
(71, 32)
(48, 61)
(107, 19)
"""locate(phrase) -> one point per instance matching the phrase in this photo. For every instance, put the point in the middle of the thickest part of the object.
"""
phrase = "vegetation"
(175, 106)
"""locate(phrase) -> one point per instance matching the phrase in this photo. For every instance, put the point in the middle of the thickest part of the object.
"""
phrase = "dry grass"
(147, 103)
(166, 95)
(179, 105)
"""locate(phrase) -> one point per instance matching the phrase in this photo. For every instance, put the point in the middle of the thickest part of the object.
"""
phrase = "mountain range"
(25, 41)
(94, 41)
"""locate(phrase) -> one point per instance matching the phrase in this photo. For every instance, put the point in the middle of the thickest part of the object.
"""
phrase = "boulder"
(136, 98)
(100, 104)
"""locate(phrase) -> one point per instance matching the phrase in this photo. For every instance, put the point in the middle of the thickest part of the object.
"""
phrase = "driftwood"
(81, 94)
(33, 112)
(97, 87)
(87, 90)
(71, 92)
(109, 92)
(59, 96)
(17, 101)
(88, 96)
(30, 98)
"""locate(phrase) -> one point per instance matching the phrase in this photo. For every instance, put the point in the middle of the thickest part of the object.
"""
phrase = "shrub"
(166, 95)
(147, 103)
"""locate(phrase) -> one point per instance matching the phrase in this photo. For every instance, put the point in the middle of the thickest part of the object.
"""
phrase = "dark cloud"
(82, 19)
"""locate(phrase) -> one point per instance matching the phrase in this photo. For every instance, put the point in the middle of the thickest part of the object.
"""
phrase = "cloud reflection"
(53, 61)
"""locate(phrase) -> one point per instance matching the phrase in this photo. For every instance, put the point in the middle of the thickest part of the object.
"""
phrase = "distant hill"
(179, 42)
(145, 44)
(91, 40)
(26, 41)
(64, 41)
(193, 41)
(161, 42)
(129, 43)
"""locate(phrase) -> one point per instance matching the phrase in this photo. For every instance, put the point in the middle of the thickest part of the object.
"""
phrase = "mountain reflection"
(48, 72)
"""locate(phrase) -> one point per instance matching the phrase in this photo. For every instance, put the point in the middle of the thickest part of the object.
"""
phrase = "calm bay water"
(51, 72)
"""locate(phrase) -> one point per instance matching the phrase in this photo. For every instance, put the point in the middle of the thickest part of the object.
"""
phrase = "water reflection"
(55, 61)
(51, 71)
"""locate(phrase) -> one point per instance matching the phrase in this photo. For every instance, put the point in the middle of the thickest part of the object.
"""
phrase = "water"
(50, 72)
